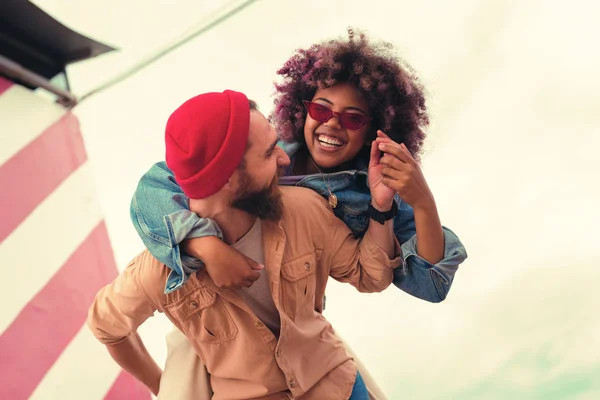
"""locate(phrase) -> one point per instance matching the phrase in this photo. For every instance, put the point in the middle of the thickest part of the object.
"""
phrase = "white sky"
(511, 155)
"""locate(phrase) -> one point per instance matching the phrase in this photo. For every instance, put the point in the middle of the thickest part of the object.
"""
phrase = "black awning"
(38, 42)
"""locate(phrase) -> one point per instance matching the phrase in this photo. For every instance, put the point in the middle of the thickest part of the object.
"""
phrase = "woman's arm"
(403, 174)
(431, 253)
(179, 238)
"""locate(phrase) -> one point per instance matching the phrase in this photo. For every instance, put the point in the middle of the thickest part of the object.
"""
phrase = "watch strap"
(382, 217)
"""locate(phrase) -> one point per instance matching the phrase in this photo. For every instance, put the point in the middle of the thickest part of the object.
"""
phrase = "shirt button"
(292, 383)
(194, 304)
(307, 266)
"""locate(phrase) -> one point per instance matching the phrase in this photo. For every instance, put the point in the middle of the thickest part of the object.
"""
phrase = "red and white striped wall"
(54, 256)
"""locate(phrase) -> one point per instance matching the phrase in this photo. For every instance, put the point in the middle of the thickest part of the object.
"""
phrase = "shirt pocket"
(203, 317)
(299, 284)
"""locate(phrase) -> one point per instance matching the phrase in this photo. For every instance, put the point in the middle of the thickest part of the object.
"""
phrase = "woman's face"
(330, 144)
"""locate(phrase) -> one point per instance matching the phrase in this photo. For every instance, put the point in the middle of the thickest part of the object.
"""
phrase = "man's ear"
(232, 183)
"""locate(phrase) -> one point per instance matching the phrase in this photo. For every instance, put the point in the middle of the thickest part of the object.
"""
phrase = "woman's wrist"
(426, 210)
(384, 207)
(425, 206)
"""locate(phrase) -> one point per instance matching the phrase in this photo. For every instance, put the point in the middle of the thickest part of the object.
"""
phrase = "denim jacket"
(161, 216)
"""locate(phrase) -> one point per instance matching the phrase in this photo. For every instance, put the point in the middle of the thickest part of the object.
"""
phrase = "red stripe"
(126, 387)
(29, 176)
(4, 85)
(40, 333)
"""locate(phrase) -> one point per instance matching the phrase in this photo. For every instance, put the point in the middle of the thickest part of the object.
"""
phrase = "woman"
(335, 98)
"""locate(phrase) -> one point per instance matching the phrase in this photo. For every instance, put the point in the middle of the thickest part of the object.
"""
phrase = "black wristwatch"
(381, 217)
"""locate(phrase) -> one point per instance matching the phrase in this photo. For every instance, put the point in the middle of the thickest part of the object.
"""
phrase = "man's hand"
(132, 356)
(228, 268)
(155, 387)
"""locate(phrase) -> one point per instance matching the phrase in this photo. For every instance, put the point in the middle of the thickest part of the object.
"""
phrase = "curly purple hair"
(395, 96)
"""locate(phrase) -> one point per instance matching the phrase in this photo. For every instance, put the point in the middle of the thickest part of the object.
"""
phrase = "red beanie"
(206, 139)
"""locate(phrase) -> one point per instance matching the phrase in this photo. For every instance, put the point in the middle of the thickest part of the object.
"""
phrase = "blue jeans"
(359, 392)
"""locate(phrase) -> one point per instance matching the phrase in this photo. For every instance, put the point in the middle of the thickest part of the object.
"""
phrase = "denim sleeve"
(161, 216)
(416, 276)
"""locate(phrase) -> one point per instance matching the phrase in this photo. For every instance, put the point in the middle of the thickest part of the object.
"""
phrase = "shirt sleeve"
(120, 307)
(360, 262)
(430, 282)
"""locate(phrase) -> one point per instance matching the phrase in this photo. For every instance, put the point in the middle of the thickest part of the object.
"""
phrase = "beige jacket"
(243, 357)
(185, 376)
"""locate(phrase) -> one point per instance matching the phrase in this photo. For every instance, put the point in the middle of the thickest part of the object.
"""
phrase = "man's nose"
(284, 160)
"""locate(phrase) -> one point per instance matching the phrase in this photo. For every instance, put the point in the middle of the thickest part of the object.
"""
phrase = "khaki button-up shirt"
(244, 358)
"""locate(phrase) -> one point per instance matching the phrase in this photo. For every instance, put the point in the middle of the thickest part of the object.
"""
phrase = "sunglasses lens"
(319, 113)
(352, 121)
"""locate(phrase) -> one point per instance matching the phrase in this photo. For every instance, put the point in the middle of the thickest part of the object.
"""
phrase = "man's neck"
(234, 223)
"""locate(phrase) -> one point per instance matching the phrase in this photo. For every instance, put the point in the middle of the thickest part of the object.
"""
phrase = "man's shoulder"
(305, 208)
(295, 196)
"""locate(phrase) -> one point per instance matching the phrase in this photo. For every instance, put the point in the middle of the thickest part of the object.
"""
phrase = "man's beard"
(263, 203)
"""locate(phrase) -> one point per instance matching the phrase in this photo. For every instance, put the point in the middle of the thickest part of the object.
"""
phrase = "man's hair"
(253, 107)
(242, 165)
(395, 96)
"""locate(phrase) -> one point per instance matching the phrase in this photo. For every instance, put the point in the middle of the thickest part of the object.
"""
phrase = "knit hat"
(206, 139)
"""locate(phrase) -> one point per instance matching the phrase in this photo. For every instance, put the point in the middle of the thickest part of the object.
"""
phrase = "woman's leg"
(359, 391)
(375, 392)
(184, 377)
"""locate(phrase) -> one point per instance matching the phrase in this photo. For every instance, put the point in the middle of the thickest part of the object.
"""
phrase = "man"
(268, 341)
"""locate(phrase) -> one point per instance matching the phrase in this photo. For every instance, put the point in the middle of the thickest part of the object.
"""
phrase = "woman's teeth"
(328, 141)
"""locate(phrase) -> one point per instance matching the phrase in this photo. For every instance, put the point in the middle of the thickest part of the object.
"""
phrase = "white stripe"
(84, 370)
(42, 243)
(23, 117)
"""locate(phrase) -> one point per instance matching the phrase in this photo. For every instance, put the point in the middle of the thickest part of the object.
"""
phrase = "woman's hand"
(228, 268)
(401, 173)
(382, 195)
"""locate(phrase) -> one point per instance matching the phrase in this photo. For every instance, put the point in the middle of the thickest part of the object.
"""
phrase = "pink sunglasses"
(321, 113)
